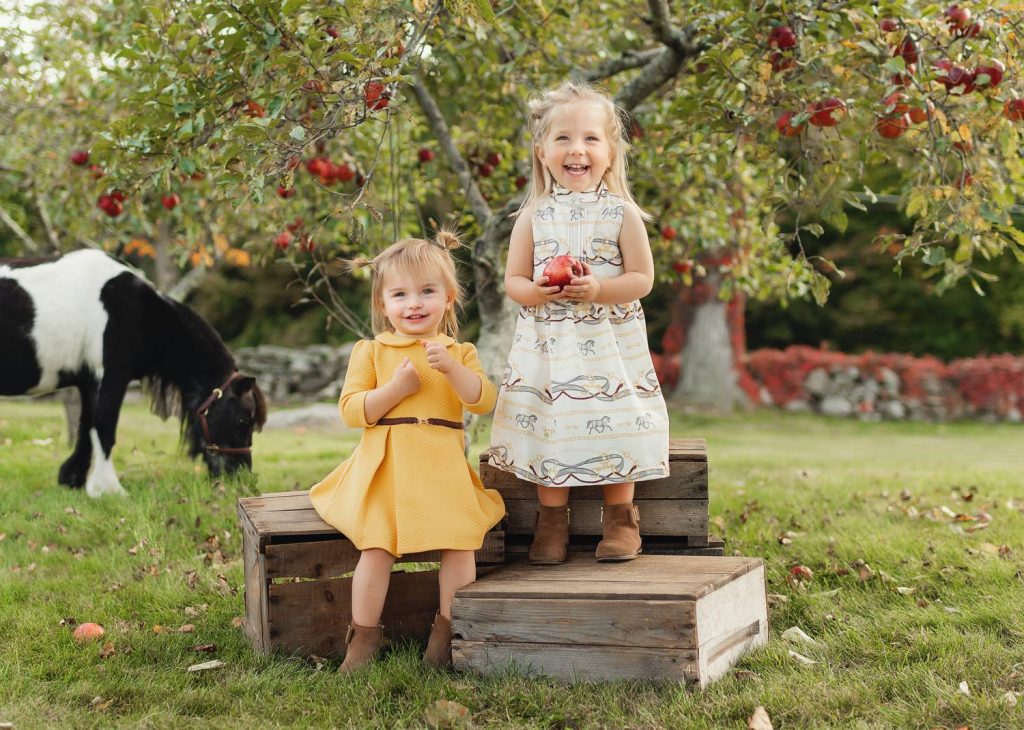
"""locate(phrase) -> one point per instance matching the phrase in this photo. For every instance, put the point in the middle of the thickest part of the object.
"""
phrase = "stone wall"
(296, 374)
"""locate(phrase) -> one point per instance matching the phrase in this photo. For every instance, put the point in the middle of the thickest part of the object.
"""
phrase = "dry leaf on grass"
(797, 635)
(447, 714)
(108, 650)
(99, 704)
(759, 720)
(801, 658)
(202, 667)
(205, 647)
(965, 688)
(186, 629)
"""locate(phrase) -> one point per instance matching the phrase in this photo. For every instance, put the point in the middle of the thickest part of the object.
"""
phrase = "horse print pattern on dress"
(89, 322)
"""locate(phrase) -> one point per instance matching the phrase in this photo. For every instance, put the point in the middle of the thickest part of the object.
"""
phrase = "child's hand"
(545, 293)
(406, 378)
(583, 288)
(438, 356)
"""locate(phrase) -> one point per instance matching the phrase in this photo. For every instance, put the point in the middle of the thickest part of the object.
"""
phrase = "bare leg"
(370, 586)
(458, 569)
(618, 493)
(554, 496)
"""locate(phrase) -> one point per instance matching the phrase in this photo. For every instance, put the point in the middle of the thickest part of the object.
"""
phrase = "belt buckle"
(422, 422)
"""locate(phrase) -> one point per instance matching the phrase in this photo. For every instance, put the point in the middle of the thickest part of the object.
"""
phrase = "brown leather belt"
(419, 422)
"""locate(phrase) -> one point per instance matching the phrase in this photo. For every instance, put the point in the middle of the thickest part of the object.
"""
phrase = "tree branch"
(13, 225)
(613, 66)
(51, 233)
(439, 128)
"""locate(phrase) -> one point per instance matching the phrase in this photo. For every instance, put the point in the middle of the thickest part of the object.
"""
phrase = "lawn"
(913, 533)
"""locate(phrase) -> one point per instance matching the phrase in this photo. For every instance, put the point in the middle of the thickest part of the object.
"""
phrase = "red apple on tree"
(920, 114)
(493, 159)
(521, 182)
(376, 95)
(956, 79)
(896, 104)
(908, 49)
(79, 157)
(782, 37)
(561, 270)
(1013, 110)
(332, 31)
(892, 127)
(888, 25)
(486, 169)
(973, 30)
(957, 16)
(668, 233)
(781, 61)
(344, 172)
(989, 75)
(283, 240)
(426, 154)
(96, 171)
(284, 192)
(682, 266)
(785, 125)
(170, 202)
(828, 113)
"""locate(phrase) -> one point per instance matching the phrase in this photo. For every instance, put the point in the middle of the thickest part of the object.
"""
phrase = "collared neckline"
(564, 195)
(396, 340)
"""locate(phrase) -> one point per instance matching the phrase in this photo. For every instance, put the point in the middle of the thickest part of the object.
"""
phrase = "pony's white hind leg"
(102, 477)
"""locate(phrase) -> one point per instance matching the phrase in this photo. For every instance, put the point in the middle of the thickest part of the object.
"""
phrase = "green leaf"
(485, 10)
(935, 255)
(820, 288)
(298, 133)
(815, 229)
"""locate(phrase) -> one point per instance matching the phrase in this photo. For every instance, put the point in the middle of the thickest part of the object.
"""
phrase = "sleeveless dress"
(579, 401)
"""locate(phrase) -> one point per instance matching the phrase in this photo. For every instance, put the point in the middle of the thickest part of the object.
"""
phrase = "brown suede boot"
(362, 645)
(439, 646)
(550, 536)
(620, 525)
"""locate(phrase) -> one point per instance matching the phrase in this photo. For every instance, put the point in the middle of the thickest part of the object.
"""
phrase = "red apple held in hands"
(908, 49)
(376, 95)
(1013, 110)
(283, 192)
(782, 37)
(893, 126)
(283, 240)
(561, 270)
(668, 233)
(828, 113)
(426, 154)
(170, 202)
(989, 75)
(888, 25)
(87, 632)
(958, 17)
(79, 157)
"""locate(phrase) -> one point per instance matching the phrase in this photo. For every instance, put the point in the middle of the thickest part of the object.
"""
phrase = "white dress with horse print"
(579, 402)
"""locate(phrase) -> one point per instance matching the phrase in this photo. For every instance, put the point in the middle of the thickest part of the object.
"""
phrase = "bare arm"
(519, 283)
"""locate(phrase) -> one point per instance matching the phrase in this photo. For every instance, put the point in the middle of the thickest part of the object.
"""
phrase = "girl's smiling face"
(415, 303)
(577, 150)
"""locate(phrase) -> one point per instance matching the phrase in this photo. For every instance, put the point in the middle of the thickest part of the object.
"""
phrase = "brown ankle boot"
(621, 530)
(550, 536)
(439, 645)
(362, 645)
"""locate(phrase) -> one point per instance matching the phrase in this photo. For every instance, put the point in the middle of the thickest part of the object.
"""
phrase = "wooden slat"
(688, 480)
(255, 585)
(569, 662)
(670, 517)
(581, 568)
(665, 624)
(331, 558)
(520, 546)
(737, 603)
(311, 617)
(692, 449)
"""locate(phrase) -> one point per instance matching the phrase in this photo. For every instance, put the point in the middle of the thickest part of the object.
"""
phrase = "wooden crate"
(297, 596)
(673, 510)
(659, 617)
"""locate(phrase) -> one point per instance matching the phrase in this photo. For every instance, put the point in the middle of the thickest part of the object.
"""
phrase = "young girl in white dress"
(579, 402)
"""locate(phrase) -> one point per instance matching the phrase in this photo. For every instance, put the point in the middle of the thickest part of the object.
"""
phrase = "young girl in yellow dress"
(580, 403)
(407, 487)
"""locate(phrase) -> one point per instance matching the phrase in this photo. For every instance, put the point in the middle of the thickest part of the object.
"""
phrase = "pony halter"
(202, 410)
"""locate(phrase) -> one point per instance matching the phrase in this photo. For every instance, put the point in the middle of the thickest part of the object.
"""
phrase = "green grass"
(885, 659)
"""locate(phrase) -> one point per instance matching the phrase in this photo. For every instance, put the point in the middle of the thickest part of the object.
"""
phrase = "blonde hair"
(419, 257)
(542, 105)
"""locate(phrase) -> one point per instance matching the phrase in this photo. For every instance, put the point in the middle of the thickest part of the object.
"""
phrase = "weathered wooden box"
(297, 592)
(659, 617)
(673, 510)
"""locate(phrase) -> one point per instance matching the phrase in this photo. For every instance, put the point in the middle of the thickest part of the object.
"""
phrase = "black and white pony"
(87, 321)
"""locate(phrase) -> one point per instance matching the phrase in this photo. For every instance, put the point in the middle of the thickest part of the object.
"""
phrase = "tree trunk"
(704, 348)
(498, 313)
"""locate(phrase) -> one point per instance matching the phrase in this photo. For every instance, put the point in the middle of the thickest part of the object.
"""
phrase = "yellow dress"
(408, 488)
